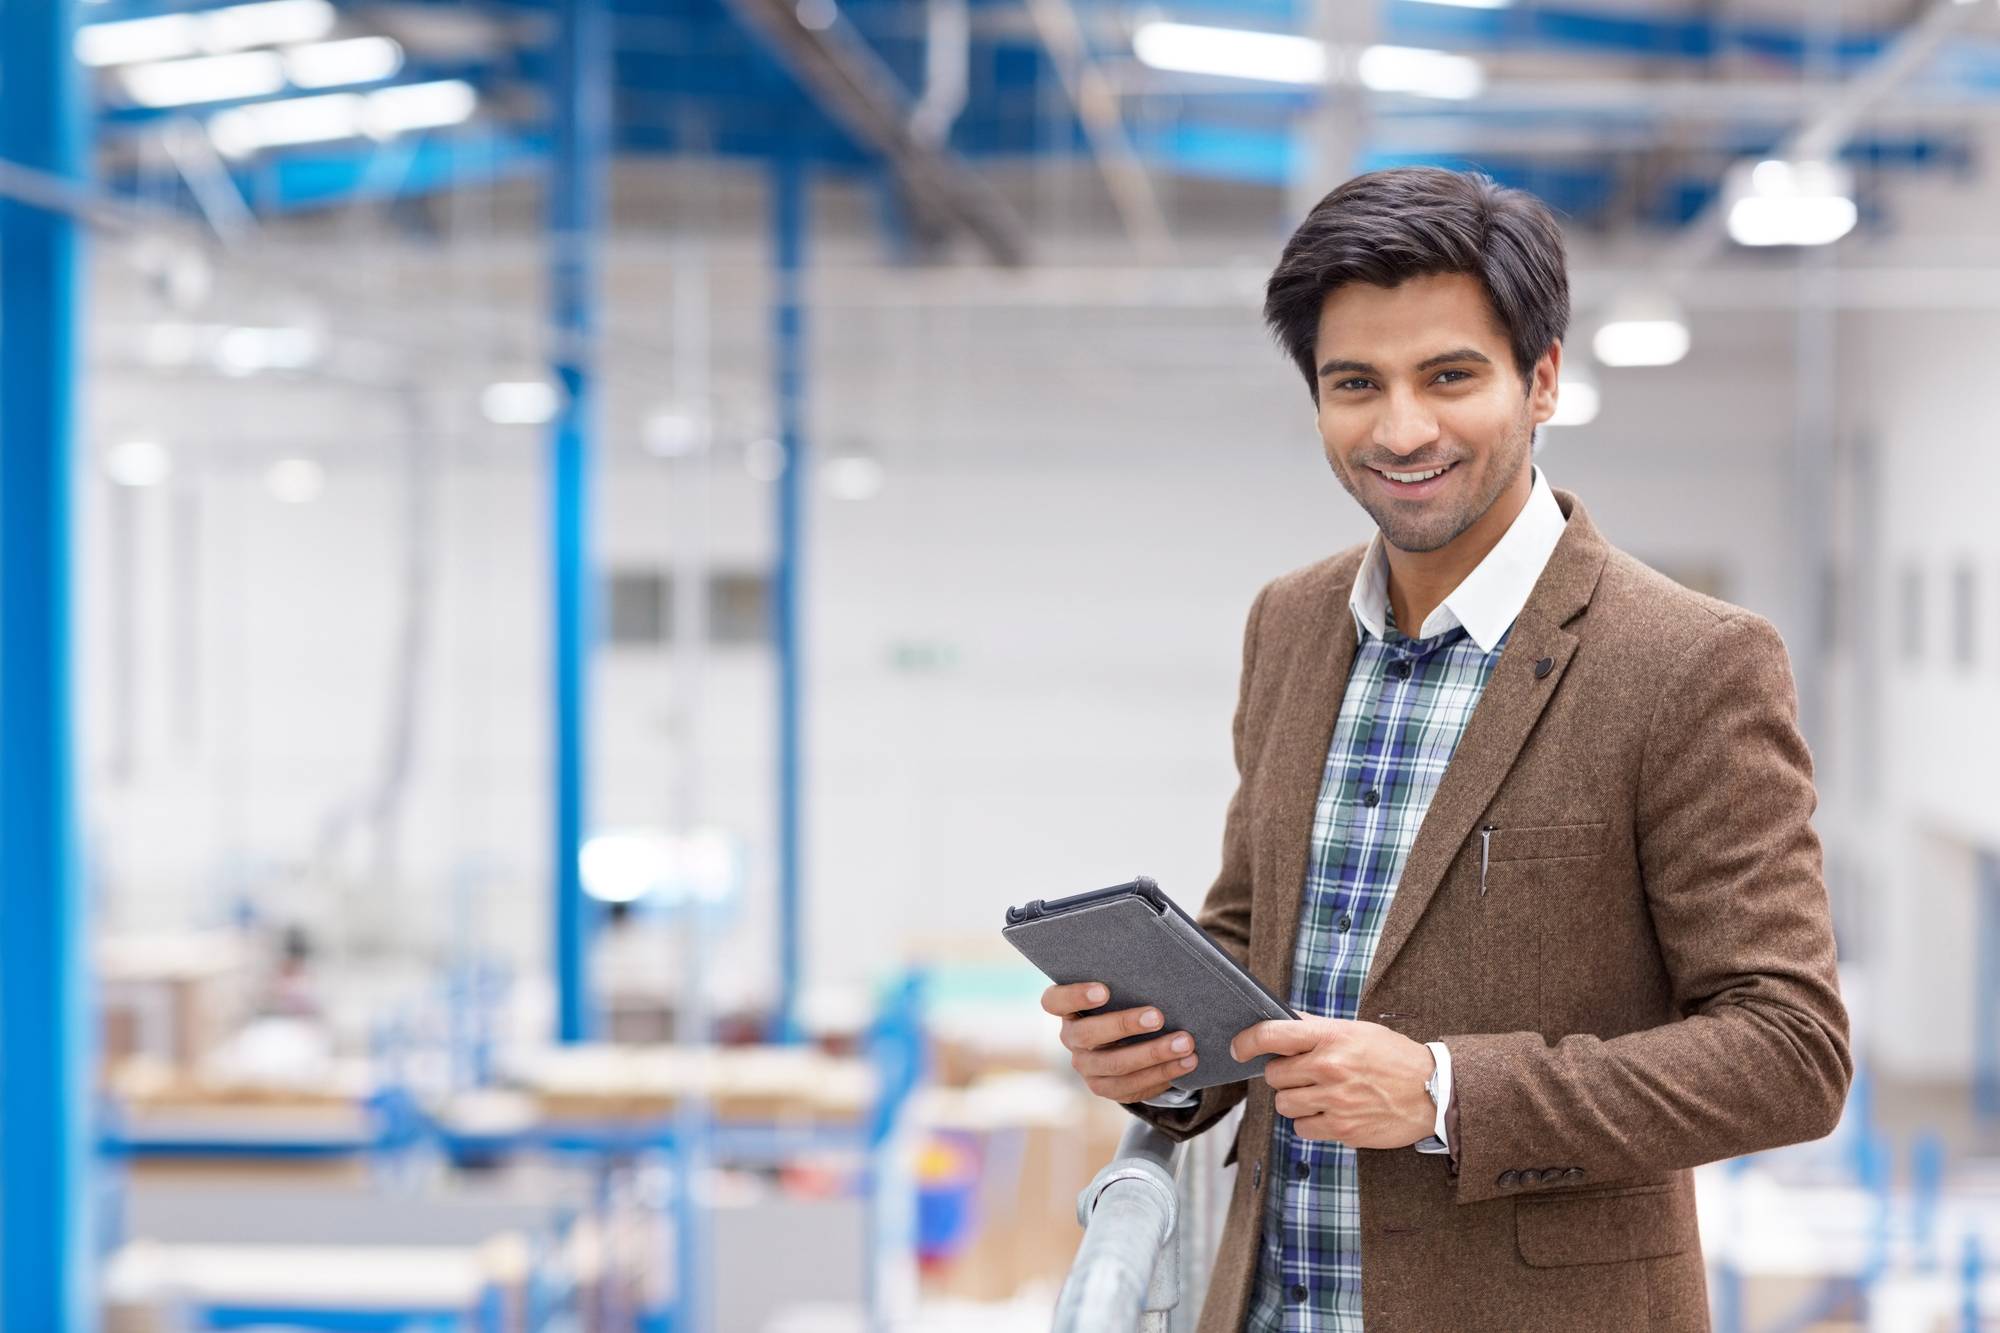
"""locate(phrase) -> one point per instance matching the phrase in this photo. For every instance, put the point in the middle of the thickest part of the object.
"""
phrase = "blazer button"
(1573, 1175)
(1551, 1174)
(1544, 666)
(1508, 1179)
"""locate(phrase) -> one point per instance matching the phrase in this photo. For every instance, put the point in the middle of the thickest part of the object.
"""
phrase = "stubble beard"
(1431, 531)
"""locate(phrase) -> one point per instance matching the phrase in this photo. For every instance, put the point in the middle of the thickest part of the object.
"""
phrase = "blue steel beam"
(46, 1122)
(582, 144)
(788, 236)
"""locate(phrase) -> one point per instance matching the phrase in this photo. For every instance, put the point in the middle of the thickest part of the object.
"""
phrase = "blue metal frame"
(582, 103)
(788, 236)
(47, 1275)
(1986, 1036)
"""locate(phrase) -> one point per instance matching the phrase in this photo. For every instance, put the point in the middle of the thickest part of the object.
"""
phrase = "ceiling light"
(121, 43)
(295, 481)
(245, 351)
(519, 402)
(1234, 53)
(243, 130)
(138, 463)
(336, 64)
(268, 24)
(1422, 72)
(204, 79)
(1642, 330)
(1790, 203)
(419, 106)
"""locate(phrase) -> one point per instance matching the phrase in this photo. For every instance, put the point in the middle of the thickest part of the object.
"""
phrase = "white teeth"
(1412, 476)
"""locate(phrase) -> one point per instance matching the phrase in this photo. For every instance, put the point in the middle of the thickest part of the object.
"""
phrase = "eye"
(1441, 374)
(1345, 383)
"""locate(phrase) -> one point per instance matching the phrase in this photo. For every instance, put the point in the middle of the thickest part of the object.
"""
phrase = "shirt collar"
(1488, 599)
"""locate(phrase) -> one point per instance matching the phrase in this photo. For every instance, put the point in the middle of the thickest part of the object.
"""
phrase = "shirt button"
(1345, 922)
(1399, 670)
(1302, 1170)
(1370, 797)
(1299, 1292)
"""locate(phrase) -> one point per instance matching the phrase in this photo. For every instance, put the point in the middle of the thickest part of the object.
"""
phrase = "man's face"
(1418, 377)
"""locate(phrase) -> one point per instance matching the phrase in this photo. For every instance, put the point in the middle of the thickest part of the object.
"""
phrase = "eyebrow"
(1339, 367)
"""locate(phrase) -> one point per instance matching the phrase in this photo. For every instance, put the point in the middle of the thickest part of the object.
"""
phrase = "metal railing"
(1152, 1219)
(1127, 1272)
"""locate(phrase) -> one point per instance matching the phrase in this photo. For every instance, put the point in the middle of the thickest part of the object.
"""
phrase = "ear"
(1542, 384)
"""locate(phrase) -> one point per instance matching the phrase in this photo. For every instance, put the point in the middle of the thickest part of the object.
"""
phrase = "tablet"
(1138, 942)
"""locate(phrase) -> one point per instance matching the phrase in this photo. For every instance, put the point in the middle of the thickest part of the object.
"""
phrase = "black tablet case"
(1136, 940)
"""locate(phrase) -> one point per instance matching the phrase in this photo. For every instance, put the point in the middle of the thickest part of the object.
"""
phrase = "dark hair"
(1407, 222)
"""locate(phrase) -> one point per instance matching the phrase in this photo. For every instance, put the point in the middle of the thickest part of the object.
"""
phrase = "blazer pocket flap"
(1642, 1223)
(1529, 843)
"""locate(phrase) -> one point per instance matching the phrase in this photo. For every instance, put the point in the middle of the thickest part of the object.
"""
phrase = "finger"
(1277, 1036)
(1297, 1103)
(1288, 1071)
(1087, 1034)
(1319, 1128)
(1119, 1060)
(1138, 1087)
(1063, 1001)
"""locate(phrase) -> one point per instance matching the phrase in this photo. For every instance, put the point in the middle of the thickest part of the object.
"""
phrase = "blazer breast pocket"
(1534, 893)
(1503, 843)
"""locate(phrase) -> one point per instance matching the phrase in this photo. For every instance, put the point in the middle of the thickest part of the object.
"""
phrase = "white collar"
(1488, 599)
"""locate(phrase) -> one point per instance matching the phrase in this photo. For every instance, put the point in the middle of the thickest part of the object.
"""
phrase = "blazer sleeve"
(1731, 869)
(1225, 913)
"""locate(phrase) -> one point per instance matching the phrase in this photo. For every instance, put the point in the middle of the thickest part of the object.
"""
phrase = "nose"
(1405, 424)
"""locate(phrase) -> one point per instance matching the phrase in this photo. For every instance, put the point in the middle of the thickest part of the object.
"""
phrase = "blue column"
(788, 228)
(582, 104)
(46, 1125)
(1986, 1000)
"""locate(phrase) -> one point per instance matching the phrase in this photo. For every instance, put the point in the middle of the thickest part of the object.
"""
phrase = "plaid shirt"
(1407, 703)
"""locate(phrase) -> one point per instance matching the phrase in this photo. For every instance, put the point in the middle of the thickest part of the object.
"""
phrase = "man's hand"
(1128, 1073)
(1361, 1084)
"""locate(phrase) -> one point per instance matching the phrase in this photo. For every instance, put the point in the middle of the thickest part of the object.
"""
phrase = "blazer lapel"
(1507, 711)
(1314, 685)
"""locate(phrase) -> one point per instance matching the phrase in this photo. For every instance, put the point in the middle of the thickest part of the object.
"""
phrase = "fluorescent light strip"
(1422, 72)
(241, 131)
(337, 64)
(267, 24)
(420, 106)
(1234, 53)
(216, 31)
(204, 79)
(164, 38)
(1641, 342)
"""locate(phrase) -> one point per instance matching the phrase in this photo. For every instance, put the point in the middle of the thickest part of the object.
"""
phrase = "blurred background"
(562, 561)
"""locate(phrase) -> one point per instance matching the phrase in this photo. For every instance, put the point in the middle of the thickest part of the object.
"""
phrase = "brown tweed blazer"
(1646, 984)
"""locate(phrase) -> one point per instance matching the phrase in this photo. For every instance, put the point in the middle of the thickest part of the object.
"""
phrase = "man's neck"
(1419, 581)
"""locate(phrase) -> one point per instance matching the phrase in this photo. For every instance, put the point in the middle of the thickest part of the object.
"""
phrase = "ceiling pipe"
(859, 93)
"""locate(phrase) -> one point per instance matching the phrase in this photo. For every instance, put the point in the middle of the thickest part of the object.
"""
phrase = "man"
(1522, 827)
